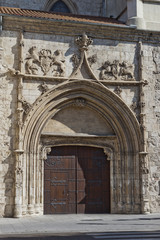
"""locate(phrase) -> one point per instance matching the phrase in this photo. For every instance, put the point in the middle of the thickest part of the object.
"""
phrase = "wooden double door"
(76, 180)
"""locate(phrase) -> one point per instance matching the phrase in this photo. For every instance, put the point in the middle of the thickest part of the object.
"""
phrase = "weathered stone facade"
(79, 84)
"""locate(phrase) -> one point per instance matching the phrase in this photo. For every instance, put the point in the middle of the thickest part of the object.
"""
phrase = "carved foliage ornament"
(46, 62)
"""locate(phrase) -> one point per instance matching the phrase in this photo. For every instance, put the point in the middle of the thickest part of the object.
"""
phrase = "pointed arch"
(68, 5)
(125, 196)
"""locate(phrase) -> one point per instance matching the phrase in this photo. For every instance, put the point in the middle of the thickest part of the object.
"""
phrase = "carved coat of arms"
(46, 62)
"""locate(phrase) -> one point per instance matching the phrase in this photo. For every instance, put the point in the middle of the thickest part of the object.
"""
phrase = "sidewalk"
(80, 223)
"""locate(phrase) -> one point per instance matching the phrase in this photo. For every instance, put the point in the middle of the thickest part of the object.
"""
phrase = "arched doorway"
(121, 142)
(76, 180)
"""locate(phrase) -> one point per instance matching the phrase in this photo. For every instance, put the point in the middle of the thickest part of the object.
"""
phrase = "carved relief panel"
(45, 62)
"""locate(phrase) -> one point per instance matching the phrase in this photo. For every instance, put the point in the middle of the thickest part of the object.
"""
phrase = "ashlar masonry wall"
(8, 104)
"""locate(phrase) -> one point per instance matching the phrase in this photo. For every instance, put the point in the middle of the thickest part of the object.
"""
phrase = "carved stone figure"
(125, 71)
(43, 87)
(116, 70)
(118, 91)
(134, 106)
(26, 106)
(33, 60)
(58, 59)
(156, 60)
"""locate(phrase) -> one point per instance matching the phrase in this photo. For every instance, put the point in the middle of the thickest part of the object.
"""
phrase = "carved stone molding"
(106, 142)
(46, 62)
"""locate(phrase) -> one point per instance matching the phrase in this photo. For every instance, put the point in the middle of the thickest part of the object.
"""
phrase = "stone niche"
(80, 120)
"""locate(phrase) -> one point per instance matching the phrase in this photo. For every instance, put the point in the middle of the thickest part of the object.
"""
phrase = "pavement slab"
(81, 223)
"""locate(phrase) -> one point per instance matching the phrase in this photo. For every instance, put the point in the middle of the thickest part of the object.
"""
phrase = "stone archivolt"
(114, 111)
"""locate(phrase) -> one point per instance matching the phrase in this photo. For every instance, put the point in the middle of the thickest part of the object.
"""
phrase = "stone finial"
(83, 42)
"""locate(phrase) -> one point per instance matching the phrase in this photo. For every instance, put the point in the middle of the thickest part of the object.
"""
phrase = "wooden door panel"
(77, 181)
(94, 166)
(58, 183)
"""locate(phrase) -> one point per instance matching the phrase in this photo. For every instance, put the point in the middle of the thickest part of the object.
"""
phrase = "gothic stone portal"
(76, 180)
